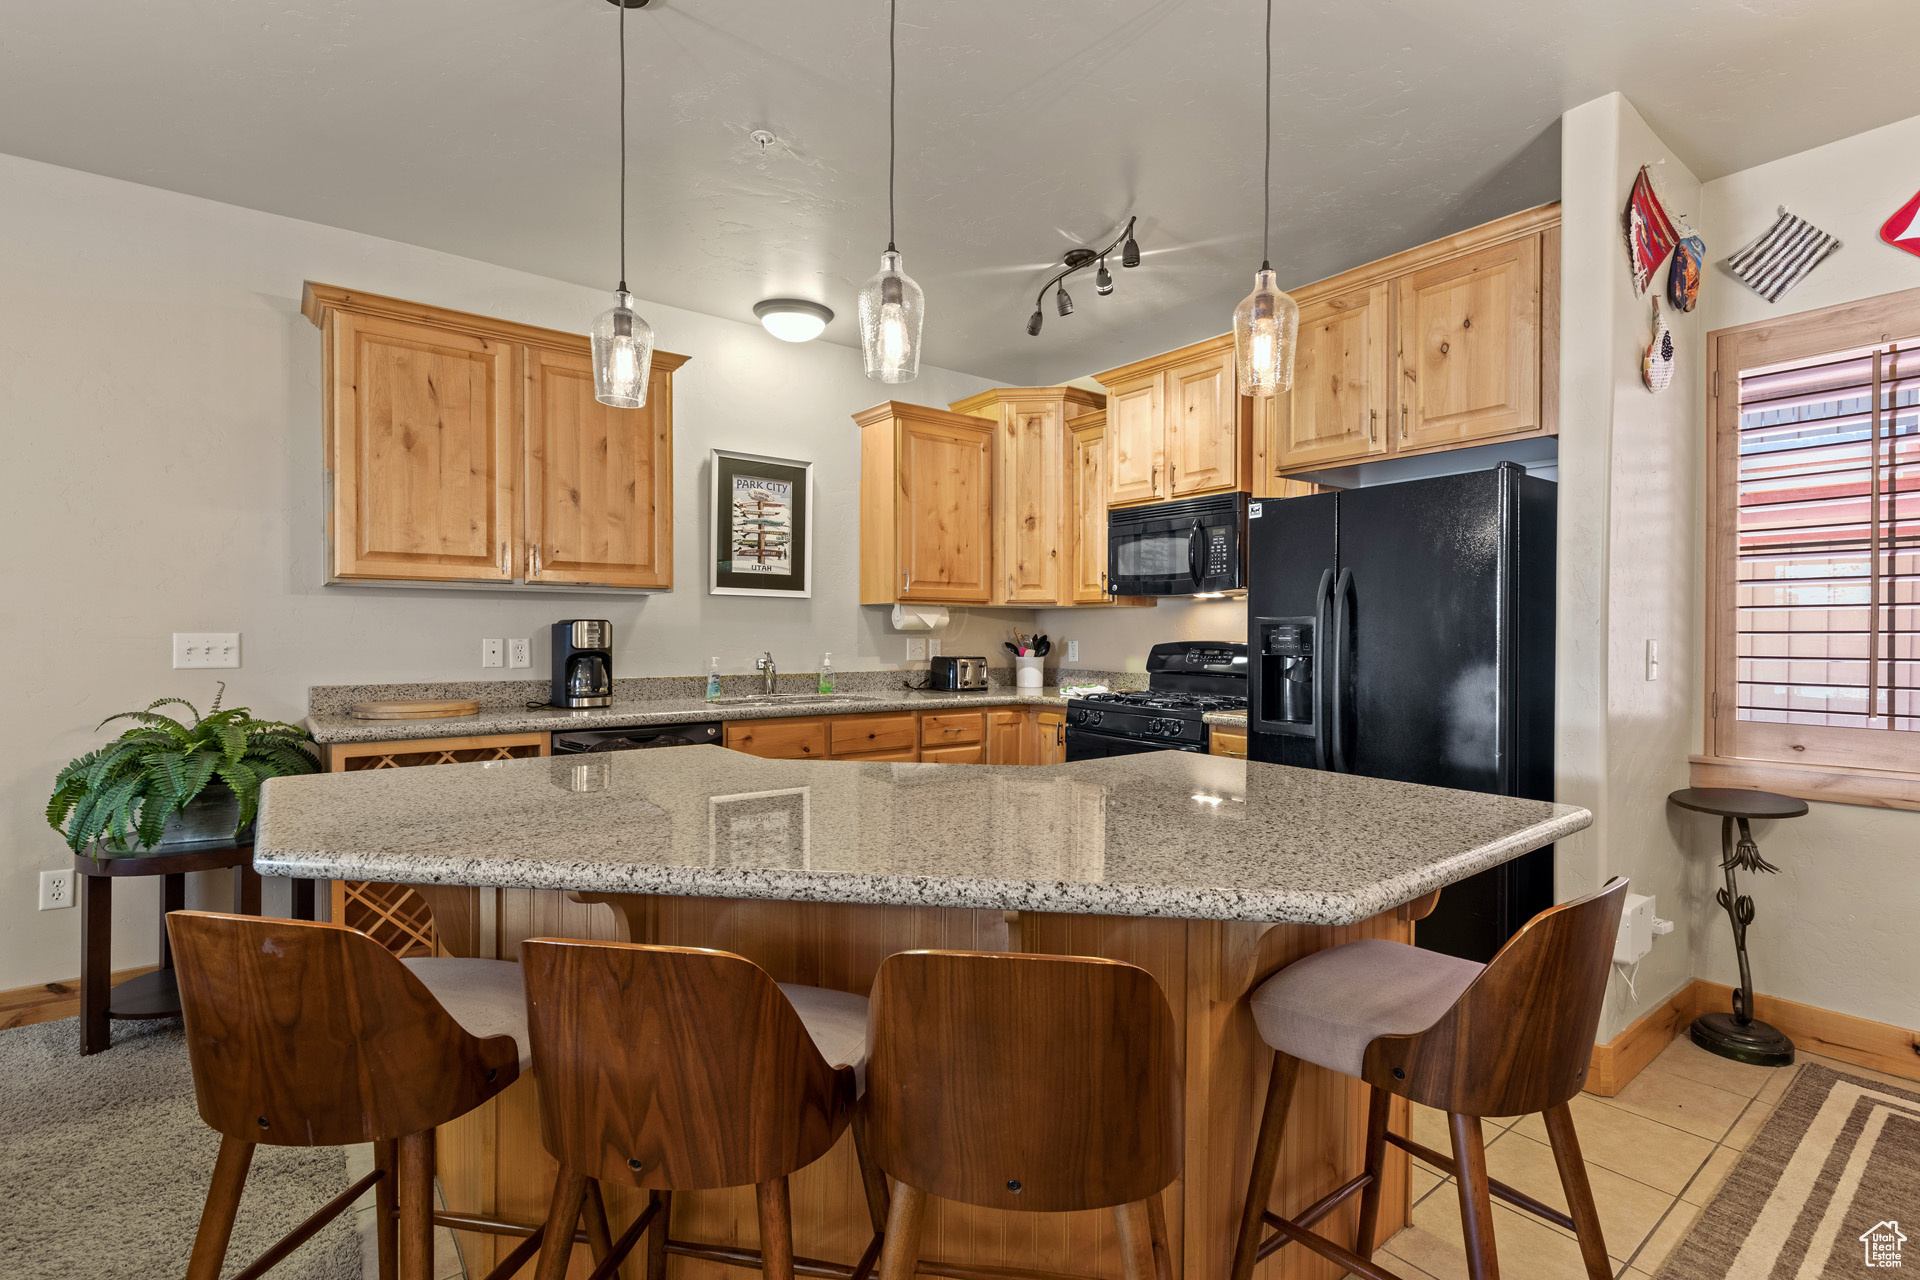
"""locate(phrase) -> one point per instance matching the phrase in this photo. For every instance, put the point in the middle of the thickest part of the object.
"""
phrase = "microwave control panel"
(1219, 553)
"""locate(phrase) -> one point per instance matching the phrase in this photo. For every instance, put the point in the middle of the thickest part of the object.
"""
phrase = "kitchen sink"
(791, 699)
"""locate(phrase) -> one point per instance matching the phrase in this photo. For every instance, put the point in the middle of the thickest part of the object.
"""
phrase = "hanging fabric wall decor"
(1902, 230)
(1650, 233)
(1657, 369)
(1683, 277)
(1781, 256)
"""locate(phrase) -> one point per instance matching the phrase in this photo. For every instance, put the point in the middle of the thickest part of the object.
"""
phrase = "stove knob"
(1095, 717)
(1076, 717)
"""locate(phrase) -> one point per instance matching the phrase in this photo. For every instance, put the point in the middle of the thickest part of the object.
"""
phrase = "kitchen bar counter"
(1164, 834)
(332, 728)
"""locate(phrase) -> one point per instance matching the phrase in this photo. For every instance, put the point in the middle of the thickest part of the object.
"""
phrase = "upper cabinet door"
(1030, 501)
(1087, 481)
(944, 518)
(420, 443)
(1136, 440)
(1470, 347)
(1204, 437)
(1338, 409)
(599, 480)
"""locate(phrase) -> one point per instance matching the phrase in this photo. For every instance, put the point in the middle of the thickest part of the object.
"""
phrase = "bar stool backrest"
(1519, 1039)
(1041, 1083)
(314, 1035)
(675, 1068)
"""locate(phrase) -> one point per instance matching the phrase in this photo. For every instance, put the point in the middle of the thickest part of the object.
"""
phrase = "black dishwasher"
(588, 741)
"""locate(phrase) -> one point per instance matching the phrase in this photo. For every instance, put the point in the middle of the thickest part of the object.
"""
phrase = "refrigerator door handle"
(1322, 596)
(1342, 656)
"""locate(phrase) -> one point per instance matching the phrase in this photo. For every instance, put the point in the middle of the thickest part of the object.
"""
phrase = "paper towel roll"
(918, 617)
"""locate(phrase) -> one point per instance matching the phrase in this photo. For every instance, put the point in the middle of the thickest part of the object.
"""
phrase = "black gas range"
(1185, 680)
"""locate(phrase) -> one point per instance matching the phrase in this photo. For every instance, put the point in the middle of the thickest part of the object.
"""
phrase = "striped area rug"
(1830, 1187)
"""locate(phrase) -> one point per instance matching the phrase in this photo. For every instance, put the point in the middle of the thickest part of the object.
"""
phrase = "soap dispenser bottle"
(826, 673)
(713, 680)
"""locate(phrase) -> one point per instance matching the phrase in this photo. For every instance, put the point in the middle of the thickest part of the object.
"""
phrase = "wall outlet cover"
(206, 649)
(1636, 930)
(1073, 651)
(520, 653)
(916, 651)
(491, 652)
(56, 889)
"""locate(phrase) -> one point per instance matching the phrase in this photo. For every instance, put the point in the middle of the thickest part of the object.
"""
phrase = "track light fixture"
(1080, 260)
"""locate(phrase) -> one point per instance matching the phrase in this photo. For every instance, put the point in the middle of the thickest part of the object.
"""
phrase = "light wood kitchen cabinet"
(865, 735)
(460, 448)
(974, 753)
(1177, 426)
(926, 506)
(1007, 735)
(599, 480)
(1470, 347)
(788, 738)
(1087, 482)
(1339, 407)
(1050, 736)
(951, 728)
(1227, 742)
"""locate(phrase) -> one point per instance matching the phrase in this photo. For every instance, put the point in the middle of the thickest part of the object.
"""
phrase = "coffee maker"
(582, 663)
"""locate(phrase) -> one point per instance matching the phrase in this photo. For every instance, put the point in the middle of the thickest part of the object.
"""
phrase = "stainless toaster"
(958, 673)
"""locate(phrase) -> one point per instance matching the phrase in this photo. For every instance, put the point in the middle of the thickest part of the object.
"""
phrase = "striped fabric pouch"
(1781, 256)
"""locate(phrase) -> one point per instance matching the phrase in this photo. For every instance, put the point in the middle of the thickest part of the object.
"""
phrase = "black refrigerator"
(1405, 631)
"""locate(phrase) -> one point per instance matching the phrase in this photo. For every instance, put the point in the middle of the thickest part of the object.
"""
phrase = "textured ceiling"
(487, 129)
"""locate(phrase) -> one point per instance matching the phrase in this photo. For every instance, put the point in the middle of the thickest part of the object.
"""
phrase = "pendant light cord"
(623, 143)
(1266, 178)
(893, 76)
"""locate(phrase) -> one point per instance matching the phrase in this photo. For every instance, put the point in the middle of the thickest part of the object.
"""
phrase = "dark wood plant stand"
(1739, 1035)
(155, 994)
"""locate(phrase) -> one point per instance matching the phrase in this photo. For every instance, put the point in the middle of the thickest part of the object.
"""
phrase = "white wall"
(160, 403)
(1628, 465)
(1836, 928)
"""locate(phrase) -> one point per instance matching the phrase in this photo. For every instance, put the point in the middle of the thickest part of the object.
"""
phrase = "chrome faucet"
(768, 674)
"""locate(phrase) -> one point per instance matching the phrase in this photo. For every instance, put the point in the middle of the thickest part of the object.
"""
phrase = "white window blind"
(1828, 542)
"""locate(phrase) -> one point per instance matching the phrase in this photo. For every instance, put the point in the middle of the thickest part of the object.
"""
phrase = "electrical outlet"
(916, 651)
(519, 653)
(490, 651)
(206, 649)
(56, 889)
(1073, 651)
(1653, 659)
(933, 648)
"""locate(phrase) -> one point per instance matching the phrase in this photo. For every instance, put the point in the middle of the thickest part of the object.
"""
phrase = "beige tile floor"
(1655, 1154)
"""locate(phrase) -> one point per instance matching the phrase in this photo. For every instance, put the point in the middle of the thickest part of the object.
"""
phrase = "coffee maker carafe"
(582, 663)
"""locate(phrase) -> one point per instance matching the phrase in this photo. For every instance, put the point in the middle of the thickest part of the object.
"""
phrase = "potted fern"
(164, 783)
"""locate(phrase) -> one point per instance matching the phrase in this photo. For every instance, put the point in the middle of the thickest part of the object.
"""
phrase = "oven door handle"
(1322, 653)
(1193, 556)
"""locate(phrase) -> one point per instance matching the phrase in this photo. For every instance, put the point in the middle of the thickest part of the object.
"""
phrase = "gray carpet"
(104, 1165)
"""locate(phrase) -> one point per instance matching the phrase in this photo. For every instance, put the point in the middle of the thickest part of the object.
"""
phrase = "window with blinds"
(1826, 547)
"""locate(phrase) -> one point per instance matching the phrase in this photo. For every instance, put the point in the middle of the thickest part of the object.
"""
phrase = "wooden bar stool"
(1503, 1039)
(314, 1035)
(682, 1069)
(1038, 1083)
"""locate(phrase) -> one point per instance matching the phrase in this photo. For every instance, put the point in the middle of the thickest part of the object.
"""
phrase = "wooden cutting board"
(445, 710)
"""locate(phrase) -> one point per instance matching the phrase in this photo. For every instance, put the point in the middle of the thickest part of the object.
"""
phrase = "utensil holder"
(1029, 673)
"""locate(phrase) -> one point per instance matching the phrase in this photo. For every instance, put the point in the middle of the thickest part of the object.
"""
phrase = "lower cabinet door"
(972, 753)
(1052, 744)
(1006, 734)
(1227, 742)
(864, 735)
(789, 739)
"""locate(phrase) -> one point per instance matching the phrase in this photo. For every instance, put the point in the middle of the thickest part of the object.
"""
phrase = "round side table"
(1739, 1035)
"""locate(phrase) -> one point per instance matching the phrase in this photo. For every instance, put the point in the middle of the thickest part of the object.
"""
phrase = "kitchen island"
(1209, 872)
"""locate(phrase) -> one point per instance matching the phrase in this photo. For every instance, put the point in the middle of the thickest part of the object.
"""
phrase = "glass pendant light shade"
(622, 355)
(891, 310)
(1266, 329)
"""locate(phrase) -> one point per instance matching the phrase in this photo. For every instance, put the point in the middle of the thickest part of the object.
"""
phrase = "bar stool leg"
(1136, 1241)
(1378, 1103)
(872, 1180)
(901, 1250)
(1476, 1204)
(1157, 1229)
(657, 1235)
(569, 1193)
(1573, 1180)
(223, 1202)
(599, 1234)
(416, 1206)
(1266, 1161)
(776, 1229)
(386, 1202)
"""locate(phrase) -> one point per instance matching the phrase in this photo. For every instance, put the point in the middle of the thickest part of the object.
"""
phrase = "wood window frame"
(1833, 764)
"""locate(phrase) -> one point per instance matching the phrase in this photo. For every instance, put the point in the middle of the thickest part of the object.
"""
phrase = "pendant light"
(891, 304)
(1266, 324)
(622, 340)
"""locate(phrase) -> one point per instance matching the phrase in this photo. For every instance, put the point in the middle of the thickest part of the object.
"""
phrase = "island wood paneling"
(493, 1160)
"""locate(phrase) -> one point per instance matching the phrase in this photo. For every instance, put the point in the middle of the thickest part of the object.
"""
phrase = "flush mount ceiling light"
(1080, 260)
(1266, 324)
(793, 319)
(891, 304)
(622, 340)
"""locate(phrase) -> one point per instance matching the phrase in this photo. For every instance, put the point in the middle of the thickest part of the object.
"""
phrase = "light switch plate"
(1073, 651)
(206, 649)
(519, 653)
(916, 651)
(933, 648)
(1653, 659)
(490, 652)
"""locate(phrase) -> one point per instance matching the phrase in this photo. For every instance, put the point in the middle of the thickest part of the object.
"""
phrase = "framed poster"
(761, 829)
(762, 526)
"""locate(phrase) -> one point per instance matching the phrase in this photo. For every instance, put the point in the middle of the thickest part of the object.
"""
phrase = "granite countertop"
(1169, 834)
(1226, 719)
(336, 727)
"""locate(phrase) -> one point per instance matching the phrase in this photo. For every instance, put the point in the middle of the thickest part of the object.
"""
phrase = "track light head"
(1130, 253)
(1103, 281)
(1034, 322)
(1062, 301)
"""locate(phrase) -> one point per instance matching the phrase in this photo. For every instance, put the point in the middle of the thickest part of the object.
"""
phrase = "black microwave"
(1190, 547)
